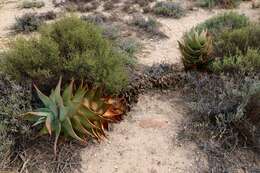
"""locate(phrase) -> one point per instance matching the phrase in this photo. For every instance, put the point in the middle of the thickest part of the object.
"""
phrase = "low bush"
(129, 46)
(219, 3)
(224, 22)
(219, 103)
(70, 48)
(32, 4)
(168, 9)
(27, 23)
(15, 99)
(239, 40)
(250, 62)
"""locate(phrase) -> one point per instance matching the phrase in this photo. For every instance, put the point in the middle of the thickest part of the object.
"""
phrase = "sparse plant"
(32, 4)
(27, 23)
(150, 25)
(109, 5)
(130, 46)
(196, 49)
(169, 9)
(87, 7)
(220, 3)
(77, 114)
(96, 18)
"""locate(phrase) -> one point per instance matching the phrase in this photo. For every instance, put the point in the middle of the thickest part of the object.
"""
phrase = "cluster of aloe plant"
(196, 48)
(77, 113)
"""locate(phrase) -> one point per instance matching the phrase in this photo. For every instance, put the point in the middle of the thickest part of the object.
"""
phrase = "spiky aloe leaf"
(68, 93)
(55, 95)
(76, 114)
(68, 129)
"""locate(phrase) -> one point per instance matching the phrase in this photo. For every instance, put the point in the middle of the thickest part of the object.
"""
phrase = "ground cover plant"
(27, 23)
(168, 9)
(149, 25)
(219, 3)
(30, 22)
(223, 22)
(32, 4)
(69, 48)
(15, 99)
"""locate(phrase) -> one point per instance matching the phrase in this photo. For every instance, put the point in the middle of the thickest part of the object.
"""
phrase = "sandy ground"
(145, 142)
(9, 10)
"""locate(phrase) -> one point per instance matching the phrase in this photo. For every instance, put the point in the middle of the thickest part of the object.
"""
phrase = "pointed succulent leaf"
(68, 93)
(66, 124)
(45, 99)
(48, 123)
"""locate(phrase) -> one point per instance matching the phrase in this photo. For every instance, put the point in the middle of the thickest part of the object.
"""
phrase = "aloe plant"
(196, 48)
(76, 114)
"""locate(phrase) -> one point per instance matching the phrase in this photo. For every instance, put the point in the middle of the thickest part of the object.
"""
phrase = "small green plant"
(238, 40)
(71, 48)
(168, 9)
(250, 62)
(32, 4)
(223, 22)
(80, 114)
(196, 49)
(220, 3)
(130, 46)
(27, 23)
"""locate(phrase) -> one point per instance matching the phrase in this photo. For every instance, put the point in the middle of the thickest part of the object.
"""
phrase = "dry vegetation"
(94, 47)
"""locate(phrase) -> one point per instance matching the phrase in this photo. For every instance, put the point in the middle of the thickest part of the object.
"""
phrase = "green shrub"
(250, 62)
(112, 32)
(168, 9)
(68, 48)
(27, 23)
(15, 99)
(32, 4)
(223, 22)
(220, 3)
(229, 42)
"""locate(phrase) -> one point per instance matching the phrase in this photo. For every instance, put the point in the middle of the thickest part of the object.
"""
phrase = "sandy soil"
(146, 141)
(9, 10)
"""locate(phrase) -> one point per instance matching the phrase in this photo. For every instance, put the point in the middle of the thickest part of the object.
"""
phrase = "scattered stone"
(153, 123)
